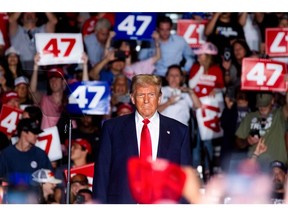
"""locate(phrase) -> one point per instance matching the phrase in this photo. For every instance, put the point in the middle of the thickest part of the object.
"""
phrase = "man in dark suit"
(120, 140)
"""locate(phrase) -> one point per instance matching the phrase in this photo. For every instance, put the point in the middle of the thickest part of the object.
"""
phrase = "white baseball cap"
(21, 80)
(45, 176)
(11, 50)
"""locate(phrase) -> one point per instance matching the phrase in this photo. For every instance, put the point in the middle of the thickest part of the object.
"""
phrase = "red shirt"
(207, 82)
(89, 24)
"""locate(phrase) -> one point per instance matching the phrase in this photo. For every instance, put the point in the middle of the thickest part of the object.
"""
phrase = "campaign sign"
(89, 97)
(49, 141)
(192, 31)
(134, 26)
(9, 119)
(56, 48)
(208, 116)
(263, 75)
(276, 43)
(87, 170)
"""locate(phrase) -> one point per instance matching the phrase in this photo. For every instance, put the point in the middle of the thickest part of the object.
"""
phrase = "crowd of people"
(163, 80)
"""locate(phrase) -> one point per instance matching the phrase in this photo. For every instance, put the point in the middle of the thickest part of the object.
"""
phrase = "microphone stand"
(69, 164)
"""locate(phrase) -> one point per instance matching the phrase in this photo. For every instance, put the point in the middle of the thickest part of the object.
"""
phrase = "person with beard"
(279, 174)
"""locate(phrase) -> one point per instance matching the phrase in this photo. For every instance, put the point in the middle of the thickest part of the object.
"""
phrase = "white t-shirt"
(179, 110)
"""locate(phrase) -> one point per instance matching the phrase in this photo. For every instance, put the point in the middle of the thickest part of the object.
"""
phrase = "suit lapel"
(130, 137)
(164, 138)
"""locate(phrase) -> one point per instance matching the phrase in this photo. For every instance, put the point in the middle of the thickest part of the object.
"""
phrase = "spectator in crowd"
(95, 42)
(84, 196)
(13, 67)
(132, 65)
(2, 44)
(119, 92)
(52, 105)
(80, 151)
(78, 182)
(22, 36)
(3, 78)
(22, 88)
(110, 182)
(222, 29)
(177, 99)
(268, 123)
(236, 108)
(47, 183)
(174, 49)
(279, 178)
(265, 20)
(19, 161)
(251, 30)
(89, 24)
(124, 109)
(109, 67)
(206, 79)
(33, 112)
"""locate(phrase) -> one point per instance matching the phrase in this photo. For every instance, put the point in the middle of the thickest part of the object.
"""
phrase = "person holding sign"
(267, 123)
(121, 140)
(22, 36)
(19, 161)
(206, 79)
(95, 42)
(173, 47)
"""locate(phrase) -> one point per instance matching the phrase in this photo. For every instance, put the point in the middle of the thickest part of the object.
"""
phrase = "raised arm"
(52, 21)
(157, 55)
(34, 80)
(85, 76)
(95, 71)
(211, 24)
(13, 24)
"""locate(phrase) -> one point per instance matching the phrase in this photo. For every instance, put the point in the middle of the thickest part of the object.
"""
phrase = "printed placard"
(134, 26)
(49, 141)
(58, 48)
(192, 31)
(89, 97)
(9, 119)
(208, 116)
(263, 75)
(276, 43)
(87, 170)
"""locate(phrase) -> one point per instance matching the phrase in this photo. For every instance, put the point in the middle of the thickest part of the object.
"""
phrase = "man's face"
(264, 111)
(29, 18)
(14, 103)
(77, 152)
(31, 137)
(102, 35)
(120, 86)
(164, 31)
(278, 177)
(146, 99)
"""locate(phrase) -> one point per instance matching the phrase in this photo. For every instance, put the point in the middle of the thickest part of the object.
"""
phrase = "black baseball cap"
(28, 124)
(279, 165)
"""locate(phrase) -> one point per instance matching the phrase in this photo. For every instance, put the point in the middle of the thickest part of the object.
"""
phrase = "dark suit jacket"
(119, 142)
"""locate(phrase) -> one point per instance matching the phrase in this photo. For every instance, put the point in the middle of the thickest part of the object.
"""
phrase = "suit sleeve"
(186, 151)
(102, 167)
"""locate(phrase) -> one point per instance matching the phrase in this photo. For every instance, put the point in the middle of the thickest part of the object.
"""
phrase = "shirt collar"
(139, 118)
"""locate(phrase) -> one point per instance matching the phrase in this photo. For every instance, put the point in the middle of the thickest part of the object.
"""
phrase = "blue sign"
(134, 26)
(89, 97)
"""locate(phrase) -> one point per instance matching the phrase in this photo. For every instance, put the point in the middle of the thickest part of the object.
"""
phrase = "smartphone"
(121, 54)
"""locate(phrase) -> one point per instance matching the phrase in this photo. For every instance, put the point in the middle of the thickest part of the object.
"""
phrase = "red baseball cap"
(155, 181)
(7, 96)
(56, 72)
(81, 142)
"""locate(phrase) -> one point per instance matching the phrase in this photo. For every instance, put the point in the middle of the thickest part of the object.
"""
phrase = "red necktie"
(145, 142)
